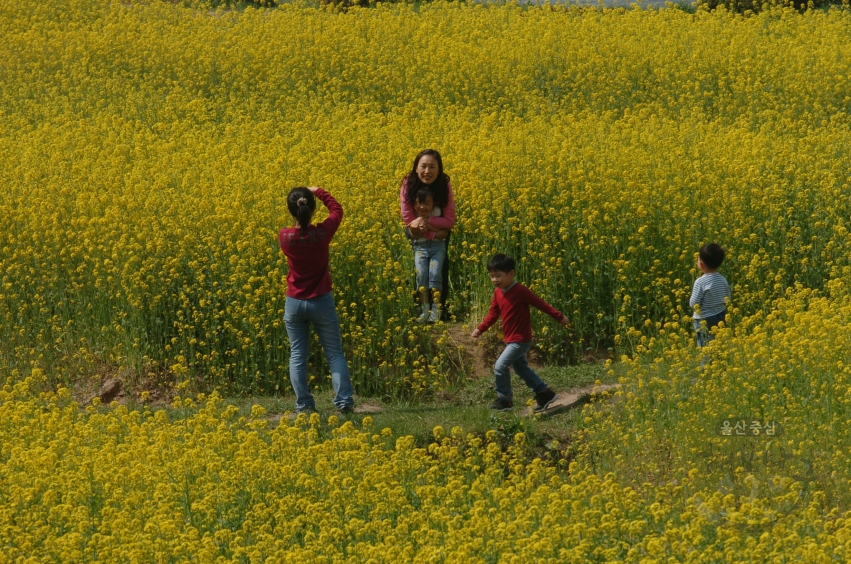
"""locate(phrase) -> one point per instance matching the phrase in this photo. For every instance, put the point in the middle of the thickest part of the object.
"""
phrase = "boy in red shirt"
(511, 301)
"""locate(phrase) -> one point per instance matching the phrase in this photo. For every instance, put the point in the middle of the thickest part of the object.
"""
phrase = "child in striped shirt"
(710, 294)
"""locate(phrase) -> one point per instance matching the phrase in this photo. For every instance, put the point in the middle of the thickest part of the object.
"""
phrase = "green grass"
(466, 407)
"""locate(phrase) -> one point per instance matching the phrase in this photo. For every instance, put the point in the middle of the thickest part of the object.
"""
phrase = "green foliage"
(755, 6)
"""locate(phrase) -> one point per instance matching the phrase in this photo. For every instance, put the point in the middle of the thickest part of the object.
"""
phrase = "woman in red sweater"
(309, 296)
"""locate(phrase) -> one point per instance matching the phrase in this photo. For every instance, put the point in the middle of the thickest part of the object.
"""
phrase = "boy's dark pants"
(702, 333)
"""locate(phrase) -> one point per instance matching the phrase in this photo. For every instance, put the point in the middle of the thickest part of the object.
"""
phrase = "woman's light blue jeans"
(322, 312)
(514, 356)
(428, 259)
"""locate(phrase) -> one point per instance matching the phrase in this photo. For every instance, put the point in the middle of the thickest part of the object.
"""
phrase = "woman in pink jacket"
(427, 174)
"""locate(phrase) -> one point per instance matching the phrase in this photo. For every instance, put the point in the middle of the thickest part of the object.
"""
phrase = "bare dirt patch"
(470, 349)
(125, 386)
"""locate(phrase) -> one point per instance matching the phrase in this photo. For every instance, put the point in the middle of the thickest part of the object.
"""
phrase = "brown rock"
(367, 408)
(574, 398)
(109, 390)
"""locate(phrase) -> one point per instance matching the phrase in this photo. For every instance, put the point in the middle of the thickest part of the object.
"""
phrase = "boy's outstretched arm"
(543, 306)
(490, 318)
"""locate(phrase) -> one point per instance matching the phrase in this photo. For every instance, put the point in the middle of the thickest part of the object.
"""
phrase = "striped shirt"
(708, 294)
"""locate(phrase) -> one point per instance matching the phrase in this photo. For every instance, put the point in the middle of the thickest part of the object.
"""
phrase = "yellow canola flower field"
(779, 380)
(207, 485)
(147, 149)
(145, 154)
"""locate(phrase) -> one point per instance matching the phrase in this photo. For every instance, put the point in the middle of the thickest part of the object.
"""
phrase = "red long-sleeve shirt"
(513, 306)
(309, 274)
(409, 213)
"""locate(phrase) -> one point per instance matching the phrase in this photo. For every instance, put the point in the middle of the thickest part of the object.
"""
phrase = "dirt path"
(471, 351)
(476, 356)
(480, 367)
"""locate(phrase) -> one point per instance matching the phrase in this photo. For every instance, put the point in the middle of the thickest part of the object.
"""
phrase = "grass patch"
(467, 407)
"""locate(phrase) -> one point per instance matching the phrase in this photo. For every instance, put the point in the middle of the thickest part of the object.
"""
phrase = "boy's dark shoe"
(347, 410)
(502, 404)
(543, 399)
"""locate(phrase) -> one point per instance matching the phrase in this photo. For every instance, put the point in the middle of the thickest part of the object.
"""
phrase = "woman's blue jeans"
(322, 312)
(514, 356)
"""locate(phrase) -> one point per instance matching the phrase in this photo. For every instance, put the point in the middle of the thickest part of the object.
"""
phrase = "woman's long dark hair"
(301, 203)
(440, 186)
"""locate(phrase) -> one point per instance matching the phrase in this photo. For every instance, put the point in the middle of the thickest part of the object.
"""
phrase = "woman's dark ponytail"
(301, 203)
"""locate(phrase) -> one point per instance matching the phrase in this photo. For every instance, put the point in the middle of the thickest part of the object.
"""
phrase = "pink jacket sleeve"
(409, 214)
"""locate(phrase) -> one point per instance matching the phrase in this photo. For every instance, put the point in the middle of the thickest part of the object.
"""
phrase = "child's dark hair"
(501, 263)
(422, 195)
(440, 186)
(301, 203)
(712, 255)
